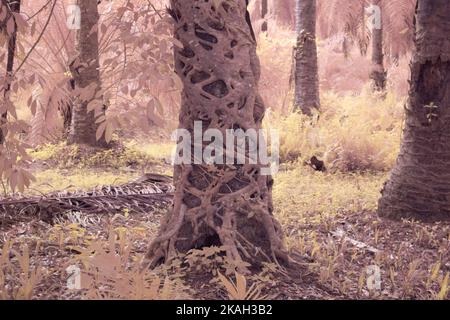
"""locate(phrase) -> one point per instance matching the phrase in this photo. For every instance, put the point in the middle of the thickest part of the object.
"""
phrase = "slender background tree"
(85, 70)
(378, 73)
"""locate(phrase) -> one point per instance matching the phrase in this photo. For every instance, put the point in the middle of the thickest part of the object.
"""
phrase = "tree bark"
(222, 205)
(14, 6)
(419, 184)
(66, 109)
(306, 96)
(378, 73)
(264, 13)
(85, 69)
(66, 114)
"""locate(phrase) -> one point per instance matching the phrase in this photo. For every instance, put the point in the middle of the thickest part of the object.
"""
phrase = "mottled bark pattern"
(85, 72)
(219, 204)
(306, 96)
(378, 73)
(419, 185)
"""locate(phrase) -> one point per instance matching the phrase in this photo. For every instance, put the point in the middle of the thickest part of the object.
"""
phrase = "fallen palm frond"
(148, 193)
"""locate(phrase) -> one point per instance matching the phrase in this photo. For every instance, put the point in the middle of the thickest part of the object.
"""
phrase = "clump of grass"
(351, 133)
(157, 151)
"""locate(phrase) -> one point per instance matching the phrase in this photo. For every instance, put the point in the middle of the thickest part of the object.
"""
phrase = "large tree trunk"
(378, 74)
(306, 96)
(229, 205)
(419, 185)
(86, 75)
(14, 6)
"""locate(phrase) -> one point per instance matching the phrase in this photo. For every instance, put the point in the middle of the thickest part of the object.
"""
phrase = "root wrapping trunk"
(219, 204)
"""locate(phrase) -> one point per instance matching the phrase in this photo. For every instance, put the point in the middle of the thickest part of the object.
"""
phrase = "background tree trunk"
(306, 96)
(219, 204)
(378, 73)
(283, 12)
(66, 114)
(419, 185)
(264, 13)
(86, 75)
(14, 6)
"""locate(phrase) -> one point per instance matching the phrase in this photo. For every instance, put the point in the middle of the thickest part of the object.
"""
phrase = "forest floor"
(329, 221)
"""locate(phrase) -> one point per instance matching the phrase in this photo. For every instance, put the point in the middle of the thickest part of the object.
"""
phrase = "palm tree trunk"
(219, 204)
(14, 6)
(66, 108)
(66, 113)
(306, 96)
(378, 73)
(264, 13)
(85, 71)
(419, 185)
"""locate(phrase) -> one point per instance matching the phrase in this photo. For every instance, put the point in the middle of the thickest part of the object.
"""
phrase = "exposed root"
(240, 222)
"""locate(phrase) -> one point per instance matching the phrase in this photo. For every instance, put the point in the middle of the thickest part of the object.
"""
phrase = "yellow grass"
(353, 133)
(77, 179)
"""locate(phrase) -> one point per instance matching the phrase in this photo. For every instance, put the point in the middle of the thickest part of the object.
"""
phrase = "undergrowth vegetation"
(328, 220)
(352, 133)
(130, 154)
(70, 167)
